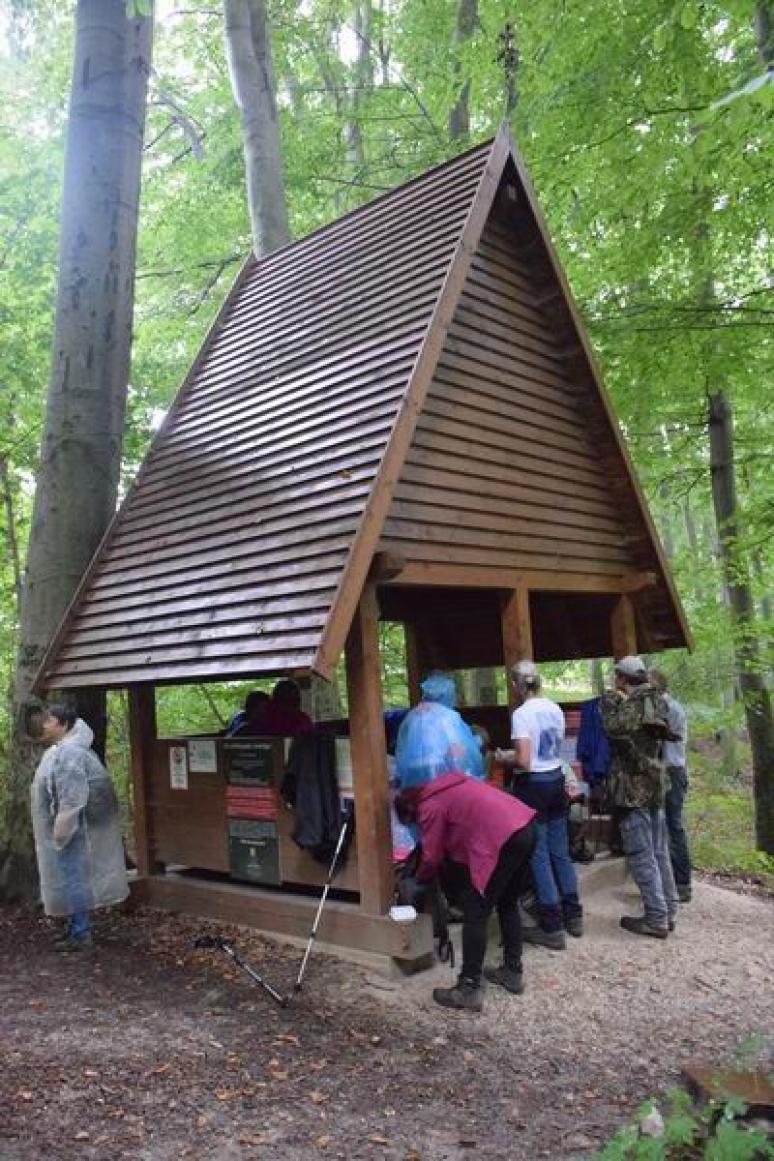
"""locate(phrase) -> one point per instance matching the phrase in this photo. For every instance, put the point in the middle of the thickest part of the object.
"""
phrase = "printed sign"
(249, 763)
(178, 768)
(202, 758)
(254, 851)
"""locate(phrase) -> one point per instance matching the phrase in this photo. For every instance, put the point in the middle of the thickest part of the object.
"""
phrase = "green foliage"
(719, 813)
(712, 1133)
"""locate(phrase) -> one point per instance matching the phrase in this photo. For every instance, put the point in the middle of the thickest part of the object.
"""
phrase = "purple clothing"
(468, 822)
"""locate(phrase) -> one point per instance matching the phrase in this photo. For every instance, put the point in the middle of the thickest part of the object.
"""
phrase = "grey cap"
(630, 666)
(524, 670)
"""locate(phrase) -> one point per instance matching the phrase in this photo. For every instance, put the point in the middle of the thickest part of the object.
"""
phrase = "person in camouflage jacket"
(634, 717)
(635, 724)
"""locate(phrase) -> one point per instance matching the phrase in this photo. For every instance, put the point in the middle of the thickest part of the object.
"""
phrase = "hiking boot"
(573, 925)
(553, 940)
(464, 996)
(684, 892)
(68, 945)
(505, 977)
(670, 925)
(639, 925)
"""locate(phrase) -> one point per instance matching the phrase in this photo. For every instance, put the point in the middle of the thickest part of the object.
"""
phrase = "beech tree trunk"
(757, 702)
(248, 48)
(80, 458)
(363, 78)
(465, 26)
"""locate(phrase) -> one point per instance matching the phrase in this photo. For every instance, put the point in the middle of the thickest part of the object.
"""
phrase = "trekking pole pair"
(219, 943)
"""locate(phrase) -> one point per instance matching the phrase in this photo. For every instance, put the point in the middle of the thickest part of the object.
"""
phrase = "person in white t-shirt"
(537, 731)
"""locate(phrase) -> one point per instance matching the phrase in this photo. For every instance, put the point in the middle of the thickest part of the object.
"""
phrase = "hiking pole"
(217, 941)
(323, 897)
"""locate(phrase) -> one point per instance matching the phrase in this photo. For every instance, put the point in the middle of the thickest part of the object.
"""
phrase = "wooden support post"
(517, 634)
(142, 734)
(623, 628)
(369, 765)
(413, 665)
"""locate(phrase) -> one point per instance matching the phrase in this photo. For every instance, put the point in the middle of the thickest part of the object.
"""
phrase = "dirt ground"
(153, 1050)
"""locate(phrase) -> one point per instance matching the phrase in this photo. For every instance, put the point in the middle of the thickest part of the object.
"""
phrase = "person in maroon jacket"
(492, 834)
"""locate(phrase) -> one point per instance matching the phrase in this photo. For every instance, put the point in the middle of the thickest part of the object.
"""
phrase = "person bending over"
(475, 825)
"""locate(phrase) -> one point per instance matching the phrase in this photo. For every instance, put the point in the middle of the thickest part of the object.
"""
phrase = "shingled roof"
(244, 543)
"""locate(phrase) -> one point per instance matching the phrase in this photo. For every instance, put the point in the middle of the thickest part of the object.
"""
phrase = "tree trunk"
(757, 702)
(665, 523)
(363, 78)
(597, 677)
(764, 32)
(459, 114)
(248, 48)
(10, 529)
(77, 481)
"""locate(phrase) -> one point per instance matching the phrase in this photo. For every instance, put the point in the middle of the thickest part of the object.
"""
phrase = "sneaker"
(69, 945)
(553, 940)
(639, 925)
(505, 977)
(464, 996)
(573, 925)
(684, 892)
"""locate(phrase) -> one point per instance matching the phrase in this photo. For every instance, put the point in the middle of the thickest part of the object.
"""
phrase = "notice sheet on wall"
(178, 768)
(202, 758)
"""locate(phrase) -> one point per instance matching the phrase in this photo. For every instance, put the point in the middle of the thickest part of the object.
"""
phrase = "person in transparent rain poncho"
(433, 739)
(75, 822)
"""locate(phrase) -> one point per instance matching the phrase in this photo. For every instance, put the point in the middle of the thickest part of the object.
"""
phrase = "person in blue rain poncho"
(75, 821)
(433, 739)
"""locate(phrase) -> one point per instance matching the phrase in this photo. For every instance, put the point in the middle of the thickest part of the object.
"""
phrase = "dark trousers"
(679, 853)
(502, 893)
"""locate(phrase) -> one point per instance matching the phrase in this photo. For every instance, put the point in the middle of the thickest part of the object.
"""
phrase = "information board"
(249, 763)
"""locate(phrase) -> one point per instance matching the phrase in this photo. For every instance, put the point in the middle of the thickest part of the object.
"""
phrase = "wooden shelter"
(398, 416)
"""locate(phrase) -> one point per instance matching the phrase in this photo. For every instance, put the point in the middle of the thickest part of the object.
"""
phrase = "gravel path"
(153, 1051)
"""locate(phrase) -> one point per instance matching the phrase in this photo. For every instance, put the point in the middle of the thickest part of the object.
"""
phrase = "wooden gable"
(412, 377)
(516, 465)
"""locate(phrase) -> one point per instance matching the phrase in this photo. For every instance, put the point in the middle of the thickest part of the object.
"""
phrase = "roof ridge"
(345, 219)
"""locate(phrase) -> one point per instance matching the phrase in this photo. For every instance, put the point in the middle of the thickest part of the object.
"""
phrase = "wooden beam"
(385, 566)
(561, 581)
(283, 913)
(517, 634)
(369, 758)
(623, 628)
(142, 734)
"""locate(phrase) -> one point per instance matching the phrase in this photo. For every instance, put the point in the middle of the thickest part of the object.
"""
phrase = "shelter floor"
(151, 1049)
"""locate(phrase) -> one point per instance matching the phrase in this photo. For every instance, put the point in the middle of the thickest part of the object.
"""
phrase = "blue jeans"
(556, 882)
(77, 885)
(678, 839)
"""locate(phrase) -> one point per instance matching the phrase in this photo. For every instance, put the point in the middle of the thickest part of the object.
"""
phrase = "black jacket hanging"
(310, 787)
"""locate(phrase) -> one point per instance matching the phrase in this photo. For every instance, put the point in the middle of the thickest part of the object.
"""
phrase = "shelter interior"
(193, 854)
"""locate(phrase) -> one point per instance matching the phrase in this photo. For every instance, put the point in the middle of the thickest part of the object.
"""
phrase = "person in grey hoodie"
(75, 822)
